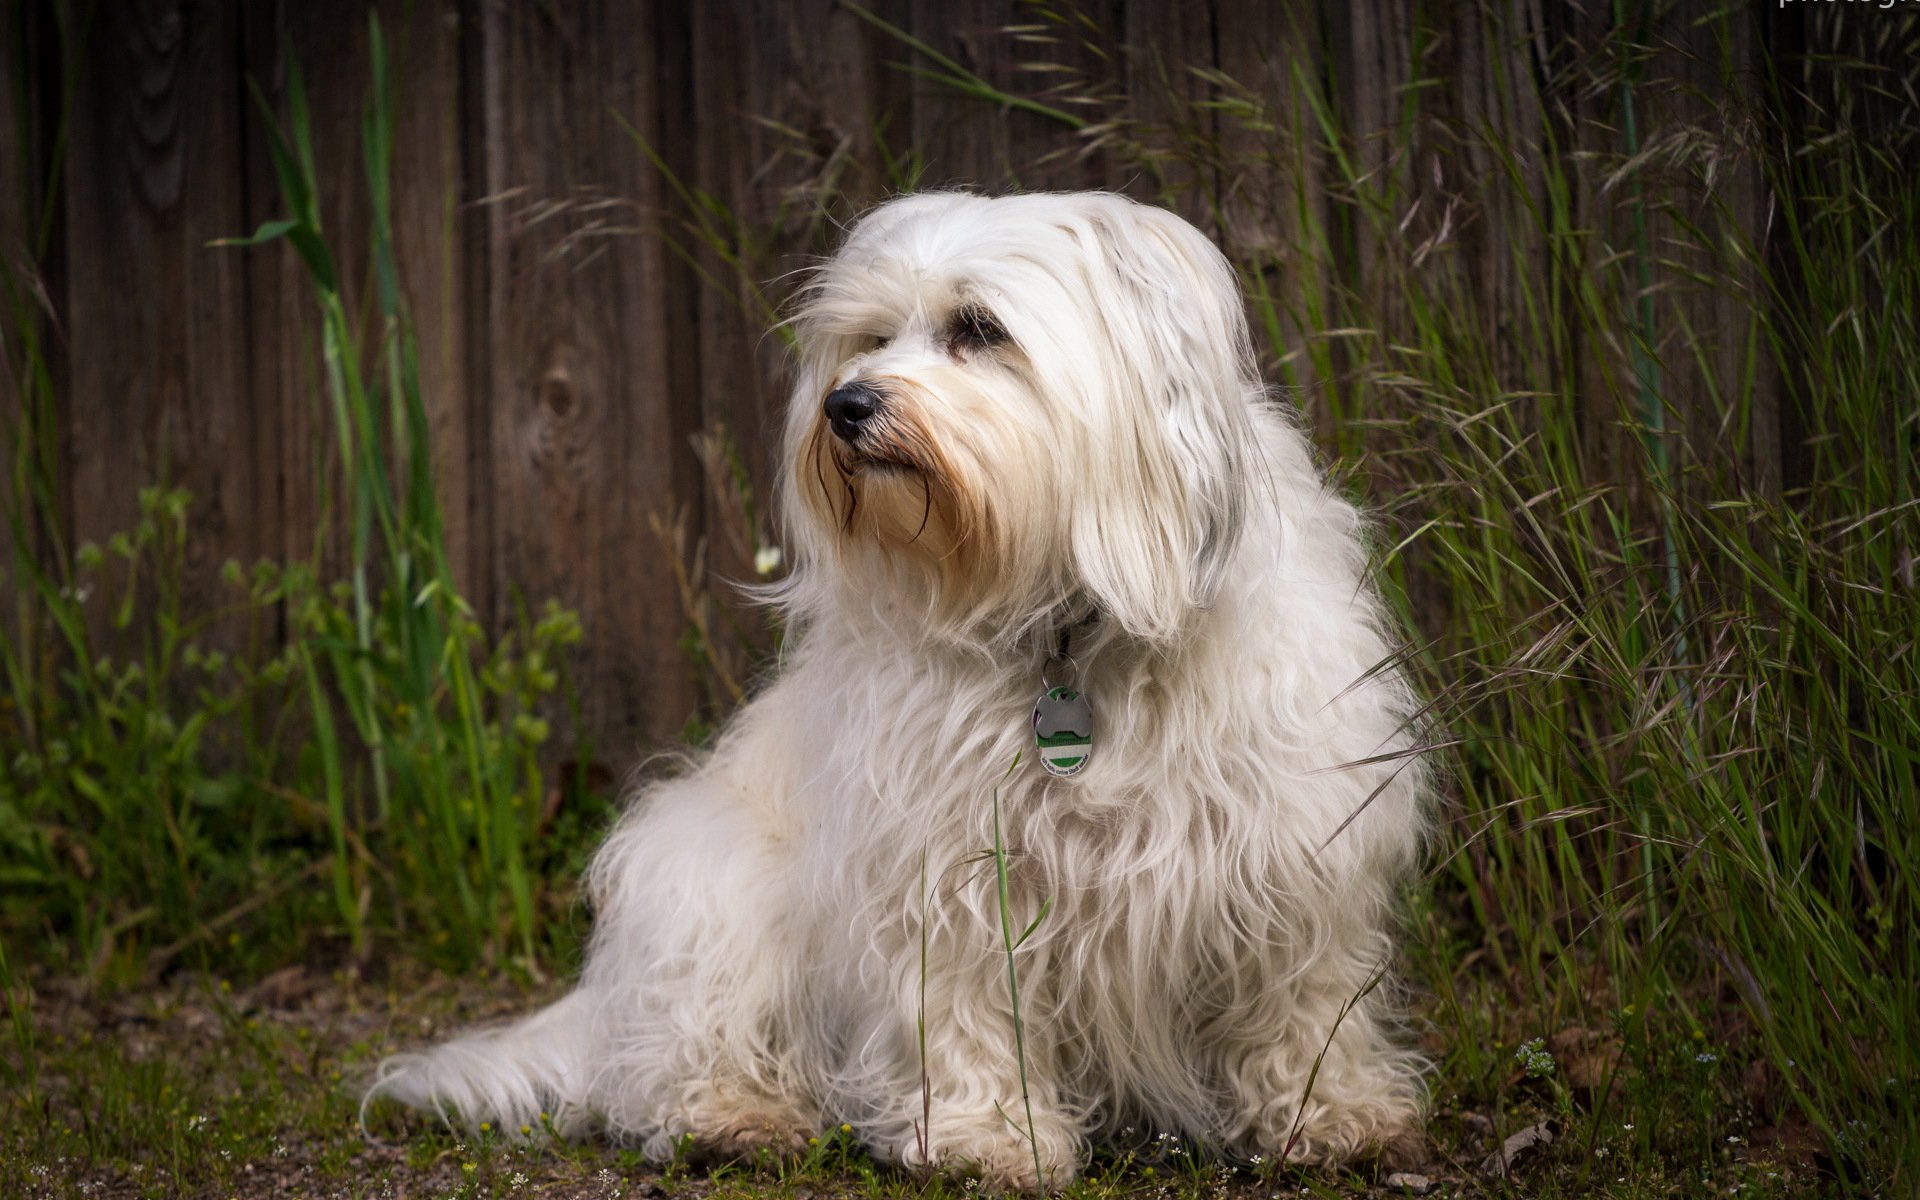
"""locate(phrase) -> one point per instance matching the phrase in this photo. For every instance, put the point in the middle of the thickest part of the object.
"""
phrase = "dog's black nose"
(849, 406)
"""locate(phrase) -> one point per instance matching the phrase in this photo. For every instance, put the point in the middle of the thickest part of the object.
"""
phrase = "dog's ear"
(1171, 488)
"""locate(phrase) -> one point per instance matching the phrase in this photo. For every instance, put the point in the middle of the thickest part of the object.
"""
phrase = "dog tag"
(1063, 730)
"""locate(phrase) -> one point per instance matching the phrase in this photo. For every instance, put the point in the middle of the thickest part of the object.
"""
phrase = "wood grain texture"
(20, 157)
(155, 319)
(966, 143)
(588, 435)
(1582, 116)
(1372, 47)
(19, 187)
(1784, 44)
(1164, 95)
(794, 144)
(33, 242)
(1485, 182)
(1724, 193)
(431, 219)
(1271, 188)
(795, 112)
(568, 355)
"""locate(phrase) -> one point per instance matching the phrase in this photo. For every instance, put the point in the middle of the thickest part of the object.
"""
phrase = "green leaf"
(269, 231)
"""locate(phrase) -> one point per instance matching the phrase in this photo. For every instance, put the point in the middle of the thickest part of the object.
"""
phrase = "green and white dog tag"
(1063, 730)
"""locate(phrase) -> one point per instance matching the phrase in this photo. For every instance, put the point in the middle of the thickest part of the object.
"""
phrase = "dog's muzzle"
(849, 407)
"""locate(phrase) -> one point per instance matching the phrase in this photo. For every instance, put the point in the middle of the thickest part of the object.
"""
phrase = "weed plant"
(377, 768)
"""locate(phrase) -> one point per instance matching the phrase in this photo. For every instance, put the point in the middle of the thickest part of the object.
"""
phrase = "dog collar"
(1063, 716)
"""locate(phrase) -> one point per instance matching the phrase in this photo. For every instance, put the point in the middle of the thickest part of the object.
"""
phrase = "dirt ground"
(197, 1089)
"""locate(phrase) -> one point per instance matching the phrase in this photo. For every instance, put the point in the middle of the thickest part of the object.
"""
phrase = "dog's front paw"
(1328, 1134)
(999, 1154)
(731, 1127)
(748, 1135)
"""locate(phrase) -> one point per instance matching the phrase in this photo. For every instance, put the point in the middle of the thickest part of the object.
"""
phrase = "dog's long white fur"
(1222, 876)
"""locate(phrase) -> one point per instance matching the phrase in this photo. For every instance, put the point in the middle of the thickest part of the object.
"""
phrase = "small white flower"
(766, 560)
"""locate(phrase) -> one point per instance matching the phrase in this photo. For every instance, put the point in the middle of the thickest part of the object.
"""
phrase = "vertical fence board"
(1270, 191)
(802, 87)
(35, 246)
(19, 184)
(1373, 63)
(283, 369)
(1489, 86)
(429, 219)
(1786, 48)
(288, 372)
(1712, 305)
(1582, 117)
(1163, 93)
(155, 319)
(20, 175)
(587, 438)
(430, 241)
(966, 142)
(1072, 59)
(963, 146)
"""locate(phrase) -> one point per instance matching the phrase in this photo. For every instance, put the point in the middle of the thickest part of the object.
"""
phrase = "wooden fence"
(570, 354)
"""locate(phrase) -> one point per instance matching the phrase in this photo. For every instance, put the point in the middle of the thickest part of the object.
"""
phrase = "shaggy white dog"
(1028, 453)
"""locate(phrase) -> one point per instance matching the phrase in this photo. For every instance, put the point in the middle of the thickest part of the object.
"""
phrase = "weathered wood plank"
(793, 149)
(1272, 198)
(587, 437)
(20, 181)
(38, 247)
(284, 372)
(965, 142)
(430, 221)
(800, 144)
(1165, 44)
(430, 242)
(1581, 102)
(1372, 46)
(1682, 166)
(1712, 299)
(1785, 45)
(156, 319)
(1483, 184)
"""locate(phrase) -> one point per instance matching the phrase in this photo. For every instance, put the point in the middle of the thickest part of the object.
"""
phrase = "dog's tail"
(518, 1077)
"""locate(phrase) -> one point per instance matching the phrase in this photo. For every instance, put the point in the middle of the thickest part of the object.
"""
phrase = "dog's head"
(1013, 408)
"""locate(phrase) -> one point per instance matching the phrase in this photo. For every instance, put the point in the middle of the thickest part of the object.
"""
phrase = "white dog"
(1032, 483)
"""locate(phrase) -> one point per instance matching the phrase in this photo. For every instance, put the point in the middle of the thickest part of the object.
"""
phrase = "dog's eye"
(973, 328)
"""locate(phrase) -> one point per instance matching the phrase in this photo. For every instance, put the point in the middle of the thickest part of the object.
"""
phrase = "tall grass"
(1010, 943)
(1688, 700)
(455, 781)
